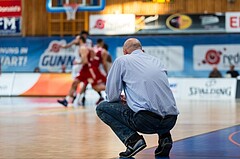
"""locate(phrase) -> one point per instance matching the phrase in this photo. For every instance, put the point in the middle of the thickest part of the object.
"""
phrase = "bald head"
(215, 67)
(130, 45)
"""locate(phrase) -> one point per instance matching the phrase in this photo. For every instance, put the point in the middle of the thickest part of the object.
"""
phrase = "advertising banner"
(214, 89)
(58, 84)
(183, 56)
(6, 83)
(203, 88)
(20, 85)
(233, 21)
(10, 26)
(112, 24)
(180, 23)
(10, 17)
(176, 86)
(172, 57)
(116, 24)
(43, 84)
(26, 54)
(54, 56)
(14, 84)
(205, 56)
(10, 8)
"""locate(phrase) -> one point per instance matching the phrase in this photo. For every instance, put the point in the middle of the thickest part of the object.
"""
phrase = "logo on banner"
(54, 57)
(10, 8)
(232, 22)
(212, 57)
(179, 22)
(209, 19)
(173, 87)
(205, 56)
(13, 56)
(99, 24)
(112, 24)
(10, 25)
(211, 88)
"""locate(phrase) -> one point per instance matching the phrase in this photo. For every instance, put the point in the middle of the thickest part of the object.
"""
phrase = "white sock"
(78, 101)
(68, 99)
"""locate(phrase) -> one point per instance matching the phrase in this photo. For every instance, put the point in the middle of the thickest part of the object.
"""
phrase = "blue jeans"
(125, 122)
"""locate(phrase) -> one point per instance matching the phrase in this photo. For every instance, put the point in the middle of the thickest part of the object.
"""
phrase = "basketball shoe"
(64, 102)
(135, 144)
(164, 147)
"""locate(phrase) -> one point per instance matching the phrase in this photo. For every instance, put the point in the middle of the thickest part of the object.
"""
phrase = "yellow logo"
(178, 22)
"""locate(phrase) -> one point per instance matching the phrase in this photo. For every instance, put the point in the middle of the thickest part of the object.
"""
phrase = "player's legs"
(99, 84)
(83, 100)
(73, 88)
(75, 73)
(70, 96)
(98, 88)
(80, 99)
(83, 77)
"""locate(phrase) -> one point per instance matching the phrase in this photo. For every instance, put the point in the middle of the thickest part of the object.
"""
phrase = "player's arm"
(73, 42)
(104, 60)
(109, 58)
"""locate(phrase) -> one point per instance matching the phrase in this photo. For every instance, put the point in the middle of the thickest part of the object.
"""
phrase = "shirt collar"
(137, 51)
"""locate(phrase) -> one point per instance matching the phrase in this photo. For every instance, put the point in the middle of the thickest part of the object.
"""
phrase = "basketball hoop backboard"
(57, 6)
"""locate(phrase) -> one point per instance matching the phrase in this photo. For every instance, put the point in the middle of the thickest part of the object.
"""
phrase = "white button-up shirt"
(144, 81)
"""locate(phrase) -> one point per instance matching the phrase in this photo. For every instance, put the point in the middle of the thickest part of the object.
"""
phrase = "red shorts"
(100, 78)
(85, 76)
(93, 77)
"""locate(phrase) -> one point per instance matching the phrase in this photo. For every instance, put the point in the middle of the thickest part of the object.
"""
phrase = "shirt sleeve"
(115, 81)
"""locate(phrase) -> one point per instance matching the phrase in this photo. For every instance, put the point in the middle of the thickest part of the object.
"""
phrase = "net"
(71, 10)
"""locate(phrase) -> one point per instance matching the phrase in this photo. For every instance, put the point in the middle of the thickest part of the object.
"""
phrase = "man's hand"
(123, 99)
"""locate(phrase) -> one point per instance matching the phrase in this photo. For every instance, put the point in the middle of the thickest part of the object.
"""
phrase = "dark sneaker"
(74, 97)
(133, 148)
(83, 100)
(63, 102)
(164, 147)
(99, 100)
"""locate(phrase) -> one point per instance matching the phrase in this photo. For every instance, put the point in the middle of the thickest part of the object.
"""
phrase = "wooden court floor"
(40, 128)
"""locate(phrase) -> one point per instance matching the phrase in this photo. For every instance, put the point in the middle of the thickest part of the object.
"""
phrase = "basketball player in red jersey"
(77, 63)
(99, 58)
(108, 57)
(100, 80)
(86, 73)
